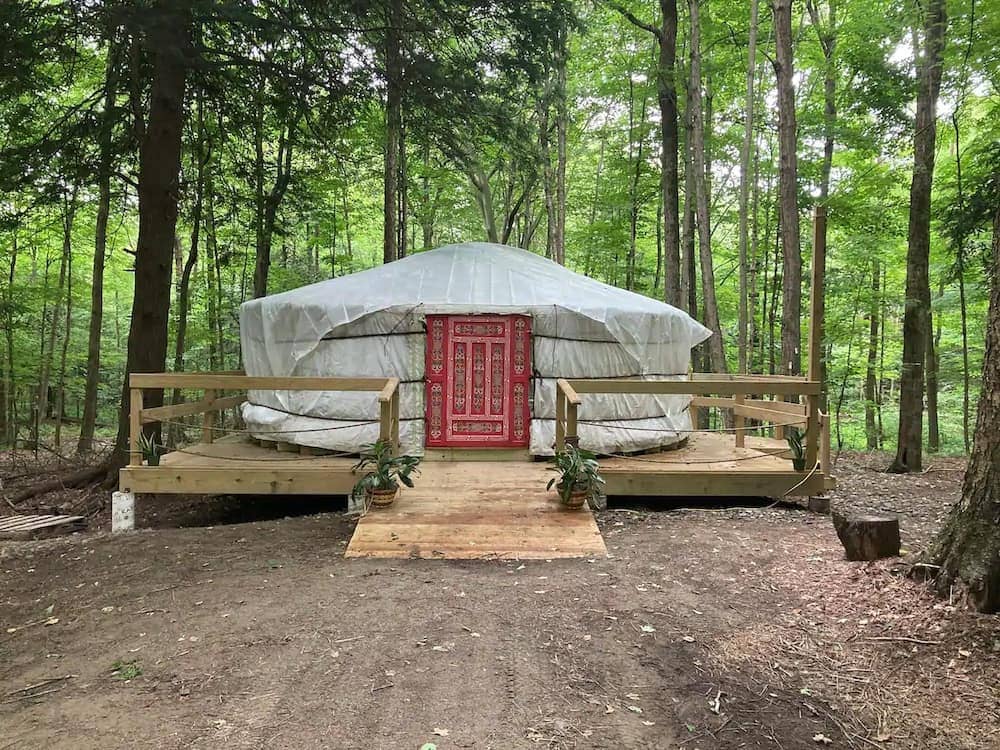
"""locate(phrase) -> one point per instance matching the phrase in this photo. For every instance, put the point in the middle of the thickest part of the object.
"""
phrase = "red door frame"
(465, 356)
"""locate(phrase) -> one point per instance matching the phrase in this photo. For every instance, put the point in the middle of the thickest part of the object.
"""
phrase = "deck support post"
(135, 427)
(208, 421)
(122, 511)
(739, 421)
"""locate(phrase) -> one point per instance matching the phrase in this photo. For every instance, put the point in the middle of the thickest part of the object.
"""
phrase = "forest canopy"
(677, 151)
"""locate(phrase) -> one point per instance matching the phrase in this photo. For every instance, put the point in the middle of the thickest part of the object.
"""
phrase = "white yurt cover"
(372, 324)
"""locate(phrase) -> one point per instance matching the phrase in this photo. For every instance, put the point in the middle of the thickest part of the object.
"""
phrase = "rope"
(334, 454)
(692, 431)
(761, 454)
(269, 432)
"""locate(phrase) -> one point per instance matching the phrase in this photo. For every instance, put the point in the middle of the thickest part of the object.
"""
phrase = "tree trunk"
(968, 547)
(791, 298)
(169, 42)
(916, 315)
(669, 143)
(871, 383)
(201, 158)
(393, 127)
(43, 404)
(932, 364)
(60, 405)
(105, 166)
(689, 277)
(827, 34)
(960, 274)
(562, 122)
(267, 205)
(716, 345)
(744, 228)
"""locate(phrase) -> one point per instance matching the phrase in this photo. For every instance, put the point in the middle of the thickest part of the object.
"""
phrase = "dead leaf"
(440, 732)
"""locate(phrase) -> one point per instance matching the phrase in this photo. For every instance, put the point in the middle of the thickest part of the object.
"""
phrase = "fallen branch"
(77, 478)
(901, 638)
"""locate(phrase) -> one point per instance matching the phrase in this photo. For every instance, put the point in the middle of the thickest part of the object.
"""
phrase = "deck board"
(463, 511)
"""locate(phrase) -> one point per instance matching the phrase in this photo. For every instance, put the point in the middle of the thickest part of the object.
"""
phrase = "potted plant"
(151, 450)
(579, 476)
(385, 473)
(793, 436)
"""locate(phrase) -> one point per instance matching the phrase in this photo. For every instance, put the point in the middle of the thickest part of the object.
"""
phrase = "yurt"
(477, 334)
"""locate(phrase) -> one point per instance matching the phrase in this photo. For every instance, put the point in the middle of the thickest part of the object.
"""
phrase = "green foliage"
(387, 470)
(578, 471)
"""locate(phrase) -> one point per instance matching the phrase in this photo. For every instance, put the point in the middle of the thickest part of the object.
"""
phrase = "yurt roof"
(470, 277)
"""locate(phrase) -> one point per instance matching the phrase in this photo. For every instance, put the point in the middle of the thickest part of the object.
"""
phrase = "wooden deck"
(237, 466)
(708, 464)
(470, 511)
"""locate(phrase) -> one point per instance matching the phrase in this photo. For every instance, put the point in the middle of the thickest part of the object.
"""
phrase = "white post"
(122, 511)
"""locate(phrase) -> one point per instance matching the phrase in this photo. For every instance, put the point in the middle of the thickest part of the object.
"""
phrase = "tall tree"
(745, 177)
(967, 551)
(916, 314)
(716, 345)
(105, 166)
(791, 298)
(168, 36)
(666, 89)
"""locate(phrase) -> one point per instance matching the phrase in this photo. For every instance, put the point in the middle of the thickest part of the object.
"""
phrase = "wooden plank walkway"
(28, 527)
(467, 511)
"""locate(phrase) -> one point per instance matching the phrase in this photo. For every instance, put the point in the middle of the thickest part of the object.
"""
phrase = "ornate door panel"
(478, 374)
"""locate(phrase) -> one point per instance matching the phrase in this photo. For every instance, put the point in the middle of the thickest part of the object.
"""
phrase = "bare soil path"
(710, 628)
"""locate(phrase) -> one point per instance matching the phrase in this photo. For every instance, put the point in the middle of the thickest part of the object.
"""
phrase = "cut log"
(868, 537)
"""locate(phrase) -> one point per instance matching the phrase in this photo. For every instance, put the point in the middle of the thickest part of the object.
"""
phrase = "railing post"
(812, 431)
(571, 434)
(385, 421)
(824, 444)
(208, 420)
(135, 427)
(395, 420)
(560, 419)
(739, 421)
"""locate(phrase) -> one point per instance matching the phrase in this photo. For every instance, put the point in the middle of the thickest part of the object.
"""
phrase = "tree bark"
(960, 274)
(105, 166)
(201, 159)
(871, 383)
(791, 298)
(744, 224)
(168, 37)
(60, 405)
(268, 204)
(933, 423)
(393, 127)
(968, 547)
(916, 315)
(716, 345)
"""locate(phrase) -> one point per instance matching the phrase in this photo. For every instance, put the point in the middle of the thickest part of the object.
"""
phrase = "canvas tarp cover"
(372, 324)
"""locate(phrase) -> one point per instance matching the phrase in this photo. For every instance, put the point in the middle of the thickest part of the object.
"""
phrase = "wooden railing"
(735, 393)
(212, 402)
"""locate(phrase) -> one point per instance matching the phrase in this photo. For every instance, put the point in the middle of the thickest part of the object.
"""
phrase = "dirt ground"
(228, 624)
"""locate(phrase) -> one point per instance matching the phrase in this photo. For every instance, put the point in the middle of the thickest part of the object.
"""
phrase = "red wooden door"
(478, 372)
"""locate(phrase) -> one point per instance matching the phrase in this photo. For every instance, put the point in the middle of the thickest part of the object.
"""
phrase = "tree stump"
(868, 537)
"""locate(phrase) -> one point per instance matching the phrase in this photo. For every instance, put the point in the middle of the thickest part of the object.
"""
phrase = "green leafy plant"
(126, 670)
(578, 471)
(151, 450)
(385, 471)
(794, 437)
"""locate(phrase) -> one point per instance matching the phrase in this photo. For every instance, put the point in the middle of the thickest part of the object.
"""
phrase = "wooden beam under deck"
(238, 467)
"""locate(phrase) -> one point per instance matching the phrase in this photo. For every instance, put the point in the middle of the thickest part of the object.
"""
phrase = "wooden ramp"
(469, 511)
